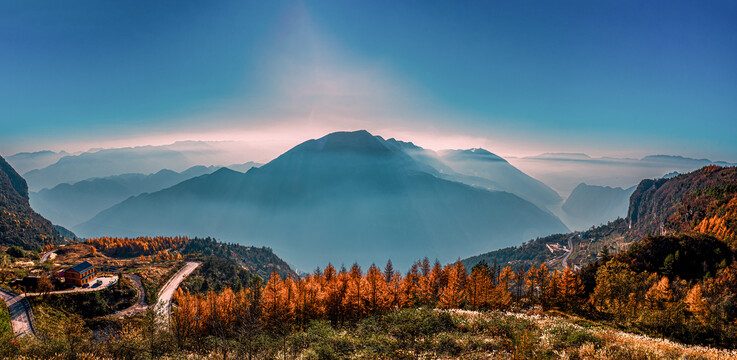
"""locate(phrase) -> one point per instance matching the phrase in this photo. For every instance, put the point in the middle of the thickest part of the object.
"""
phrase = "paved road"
(163, 305)
(46, 256)
(21, 315)
(570, 251)
(140, 305)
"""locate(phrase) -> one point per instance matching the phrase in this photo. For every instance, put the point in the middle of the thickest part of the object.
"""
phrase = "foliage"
(216, 274)
(91, 304)
(16, 252)
(261, 261)
(19, 224)
(140, 246)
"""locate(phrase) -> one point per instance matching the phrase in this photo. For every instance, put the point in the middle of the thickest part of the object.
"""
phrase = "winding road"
(570, 251)
(46, 256)
(21, 314)
(140, 305)
(163, 305)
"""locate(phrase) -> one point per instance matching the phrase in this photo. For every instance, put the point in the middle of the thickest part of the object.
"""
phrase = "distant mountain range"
(344, 197)
(27, 161)
(703, 201)
(19, 224)
(502, 176)
(98, 163)
(564, 171)
(595, 205)
(72, 204)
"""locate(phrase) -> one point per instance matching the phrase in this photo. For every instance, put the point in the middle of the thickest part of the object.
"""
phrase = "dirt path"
(140, 305)
(21, 314)
(163, 306)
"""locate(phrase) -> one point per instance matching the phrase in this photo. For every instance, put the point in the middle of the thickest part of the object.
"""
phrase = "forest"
(651, 289)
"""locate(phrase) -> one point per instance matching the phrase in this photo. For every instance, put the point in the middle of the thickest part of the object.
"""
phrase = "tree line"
(348, 295)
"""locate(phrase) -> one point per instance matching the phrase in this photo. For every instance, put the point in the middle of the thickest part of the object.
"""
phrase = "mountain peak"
(360, 141)
(473, 153)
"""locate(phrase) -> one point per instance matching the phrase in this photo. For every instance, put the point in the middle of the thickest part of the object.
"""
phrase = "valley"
(169, 294)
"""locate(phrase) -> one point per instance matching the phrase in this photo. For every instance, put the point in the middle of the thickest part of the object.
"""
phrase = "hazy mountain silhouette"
(72, 204)
(564, 171)
(480, 163)
(98, 163)
(27, 161)
(591, 205)
(344, 197)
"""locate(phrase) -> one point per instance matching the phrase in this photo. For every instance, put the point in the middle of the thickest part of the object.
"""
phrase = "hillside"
(703, 201)
(344, 197)
(19, 224)
(592, 205)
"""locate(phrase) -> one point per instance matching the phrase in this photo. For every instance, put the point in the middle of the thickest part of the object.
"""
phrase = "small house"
(79, 274)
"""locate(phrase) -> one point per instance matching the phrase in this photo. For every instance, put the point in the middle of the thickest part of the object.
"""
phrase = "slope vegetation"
(19, 224)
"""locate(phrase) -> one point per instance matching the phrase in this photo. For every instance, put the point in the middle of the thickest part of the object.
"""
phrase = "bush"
(447, 344)
(564, 336)
(16, 252)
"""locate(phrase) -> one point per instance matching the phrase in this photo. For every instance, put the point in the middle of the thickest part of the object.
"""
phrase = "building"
(79, 274)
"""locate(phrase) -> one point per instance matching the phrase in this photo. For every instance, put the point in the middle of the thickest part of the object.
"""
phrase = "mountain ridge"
(327, 189)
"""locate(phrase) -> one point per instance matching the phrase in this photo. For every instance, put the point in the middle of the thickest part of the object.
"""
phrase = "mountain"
(702, 202)
(72, 204)
(19, 224)
(98, 163)
(502, 176)
(349, 196)
(481, 168)
(594, 205)
(27, 161)
(106, 162)
(563, 172)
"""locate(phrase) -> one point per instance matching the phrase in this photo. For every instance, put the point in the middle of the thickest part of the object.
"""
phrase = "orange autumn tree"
(132, 247)
(479, 286)
(354, 296)
(276, 308)
(376, 294)
(453, 294)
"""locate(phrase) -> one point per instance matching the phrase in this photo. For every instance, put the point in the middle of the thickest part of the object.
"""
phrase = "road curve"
(568, 254)
(46, 257)
(21, 314)
(163, 305)
(140, 305)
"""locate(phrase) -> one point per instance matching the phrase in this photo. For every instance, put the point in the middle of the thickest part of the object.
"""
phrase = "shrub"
(16, 252)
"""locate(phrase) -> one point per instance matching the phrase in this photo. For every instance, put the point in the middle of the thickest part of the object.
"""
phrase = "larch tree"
(453, 294)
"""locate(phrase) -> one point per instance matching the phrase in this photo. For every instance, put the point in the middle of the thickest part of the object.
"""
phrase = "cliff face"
(701, 201)
(19, 224)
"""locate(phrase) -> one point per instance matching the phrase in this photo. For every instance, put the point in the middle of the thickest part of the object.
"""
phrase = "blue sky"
(519, 78)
